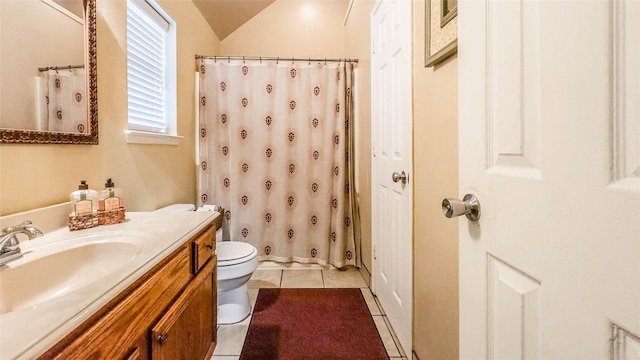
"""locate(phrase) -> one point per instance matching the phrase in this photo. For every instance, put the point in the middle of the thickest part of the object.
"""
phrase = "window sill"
(142, 137)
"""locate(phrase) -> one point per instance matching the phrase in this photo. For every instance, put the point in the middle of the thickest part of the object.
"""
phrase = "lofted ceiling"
(225, 16)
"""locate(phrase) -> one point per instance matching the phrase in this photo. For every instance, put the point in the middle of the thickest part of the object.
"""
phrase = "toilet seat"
(234, 252)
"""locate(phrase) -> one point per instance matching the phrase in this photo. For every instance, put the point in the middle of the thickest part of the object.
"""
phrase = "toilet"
(236, 262)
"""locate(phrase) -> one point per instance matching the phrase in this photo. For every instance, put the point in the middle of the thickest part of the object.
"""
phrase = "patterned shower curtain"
(63, 105)
(274, 151)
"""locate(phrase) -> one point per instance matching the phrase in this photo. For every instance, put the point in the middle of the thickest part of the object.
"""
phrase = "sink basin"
(50, 271)
(65, 277)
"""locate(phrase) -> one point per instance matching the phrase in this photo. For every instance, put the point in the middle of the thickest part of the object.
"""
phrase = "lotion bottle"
(110, 197)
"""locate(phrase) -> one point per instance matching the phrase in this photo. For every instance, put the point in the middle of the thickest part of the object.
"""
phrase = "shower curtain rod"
(271, 58)
(68, 67)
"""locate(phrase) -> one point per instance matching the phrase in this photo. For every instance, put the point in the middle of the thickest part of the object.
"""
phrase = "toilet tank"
(191, 207)
(178, 208)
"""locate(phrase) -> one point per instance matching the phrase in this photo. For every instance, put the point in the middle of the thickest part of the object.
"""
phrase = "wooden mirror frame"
(91, 63)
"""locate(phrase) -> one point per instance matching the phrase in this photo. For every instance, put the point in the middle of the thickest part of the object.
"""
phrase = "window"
(151, 74)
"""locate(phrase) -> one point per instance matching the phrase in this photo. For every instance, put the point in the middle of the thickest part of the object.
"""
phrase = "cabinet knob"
(162, 338)
(210, 246)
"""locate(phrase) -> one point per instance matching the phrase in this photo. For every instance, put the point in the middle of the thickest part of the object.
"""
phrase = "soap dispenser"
(112, 196)
(84, 203)
(110, 207)
(84, 200)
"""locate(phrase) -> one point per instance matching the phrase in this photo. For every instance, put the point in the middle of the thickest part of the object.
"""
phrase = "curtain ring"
(325, 61)
(229, 59)
(244, 62)
(260, 59)
(292, 61)
(309, 61)
(215, 59)
(277, 60)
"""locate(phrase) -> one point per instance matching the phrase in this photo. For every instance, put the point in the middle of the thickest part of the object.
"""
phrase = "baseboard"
(366, 275)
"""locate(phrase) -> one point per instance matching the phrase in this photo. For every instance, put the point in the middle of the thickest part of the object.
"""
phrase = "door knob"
(469, 206)
(399, 177)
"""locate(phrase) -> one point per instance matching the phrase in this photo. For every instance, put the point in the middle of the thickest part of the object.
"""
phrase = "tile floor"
(231, 337)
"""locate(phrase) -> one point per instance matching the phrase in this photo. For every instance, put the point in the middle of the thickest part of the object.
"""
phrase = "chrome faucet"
(9, 244)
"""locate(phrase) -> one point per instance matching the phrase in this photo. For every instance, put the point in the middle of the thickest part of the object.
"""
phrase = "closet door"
(392, 183)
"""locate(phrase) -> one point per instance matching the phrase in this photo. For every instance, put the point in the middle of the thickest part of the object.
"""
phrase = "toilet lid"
(234, 252)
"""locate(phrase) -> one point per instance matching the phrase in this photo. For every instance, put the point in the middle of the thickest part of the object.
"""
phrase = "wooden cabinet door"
(187, 329)
(203, 248)
(135, 354)
(121, 326)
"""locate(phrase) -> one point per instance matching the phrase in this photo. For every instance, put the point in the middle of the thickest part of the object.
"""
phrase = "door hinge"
(374, 252)
(373, 47)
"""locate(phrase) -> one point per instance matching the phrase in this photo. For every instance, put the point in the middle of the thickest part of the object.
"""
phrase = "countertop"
(29, 332)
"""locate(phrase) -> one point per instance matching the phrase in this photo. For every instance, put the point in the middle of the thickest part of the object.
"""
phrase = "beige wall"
(292, 28)
(358, 45)
(33, 176)
(435, 169)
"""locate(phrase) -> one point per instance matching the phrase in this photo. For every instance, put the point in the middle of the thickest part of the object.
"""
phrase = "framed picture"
(441, 30)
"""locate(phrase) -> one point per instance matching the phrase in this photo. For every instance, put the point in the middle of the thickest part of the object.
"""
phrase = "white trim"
(156, 12)
(64, 11)
(626, 77)
(143, 137)
(346, 15)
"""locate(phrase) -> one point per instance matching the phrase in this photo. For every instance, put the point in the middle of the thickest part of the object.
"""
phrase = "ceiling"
(225, 16)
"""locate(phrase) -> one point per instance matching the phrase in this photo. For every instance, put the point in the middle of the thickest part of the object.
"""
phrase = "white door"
(549, 141)
(391, 140)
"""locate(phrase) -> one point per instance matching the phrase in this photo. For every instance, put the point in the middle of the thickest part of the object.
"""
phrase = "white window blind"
(147, 36)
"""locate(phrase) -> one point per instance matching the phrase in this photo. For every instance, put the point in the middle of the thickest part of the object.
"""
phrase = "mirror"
(448, 11)
(49, 84)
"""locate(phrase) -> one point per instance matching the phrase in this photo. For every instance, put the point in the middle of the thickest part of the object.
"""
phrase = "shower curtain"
(63, 105)
(275, 151)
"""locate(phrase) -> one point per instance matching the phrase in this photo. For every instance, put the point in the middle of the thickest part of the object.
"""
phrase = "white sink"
(66, 276)
(51, 270)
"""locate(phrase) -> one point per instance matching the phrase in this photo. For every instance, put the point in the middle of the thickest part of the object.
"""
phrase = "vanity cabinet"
(169, 313)
(178, 326)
